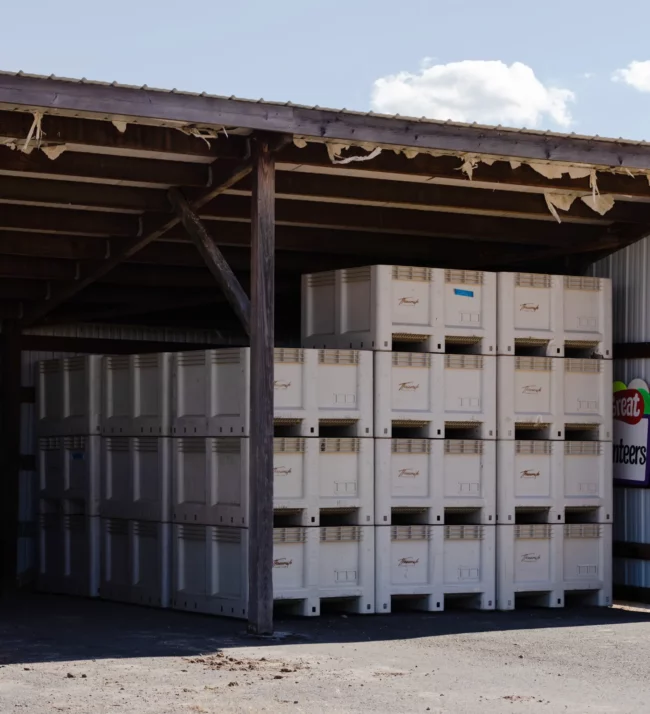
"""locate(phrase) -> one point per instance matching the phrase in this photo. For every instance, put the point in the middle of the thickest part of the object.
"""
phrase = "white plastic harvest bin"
(69, 468)
(529, 560)
(553, 312)
(136, 395)
(587, 560)
(68, 396)
(210, 569)
(554, 475)
(69, 547)
(554, 394)
(212, 391)
(434, 474)
(434, 561)
(136, 562)
(433, 392)
(324, 473)
(370, 307)
(136, 478)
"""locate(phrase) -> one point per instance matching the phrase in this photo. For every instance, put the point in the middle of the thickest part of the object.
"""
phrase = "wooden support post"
(213, 257)
(10, 453)
(260, 559)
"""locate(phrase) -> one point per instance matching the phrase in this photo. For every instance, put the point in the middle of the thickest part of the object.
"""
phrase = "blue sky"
(350, 54)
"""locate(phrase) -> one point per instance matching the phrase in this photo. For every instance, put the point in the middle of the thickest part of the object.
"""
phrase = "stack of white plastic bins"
(433, 333)
(136, 479)
(323, 485)
(68, 475)
(554, 454)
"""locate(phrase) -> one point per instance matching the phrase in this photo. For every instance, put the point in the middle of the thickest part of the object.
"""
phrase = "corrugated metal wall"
(629, 270)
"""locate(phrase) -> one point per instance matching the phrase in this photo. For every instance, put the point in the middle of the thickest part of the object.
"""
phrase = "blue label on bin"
(78, 455)
(464, 293)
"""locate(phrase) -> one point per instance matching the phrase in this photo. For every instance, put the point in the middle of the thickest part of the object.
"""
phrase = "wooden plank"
(44, 245)
(636, 551)
(105, 169)
(260, 560)
(632, 350)
(10, 455)
(86, 345)
(71, 194)
(54, 220)
(155, 228)
(467, 198)
(103, 136)
(213, 258)
(103, 100)
(446, 170)
(397, 221)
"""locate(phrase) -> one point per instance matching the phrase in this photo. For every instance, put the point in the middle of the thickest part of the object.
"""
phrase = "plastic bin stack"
(323, 480)
(432, 333)
(136, 478)
(554, 454)
(68, 454)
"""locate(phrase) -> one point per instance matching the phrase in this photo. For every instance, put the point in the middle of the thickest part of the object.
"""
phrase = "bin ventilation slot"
(411, 446)
(583, 448)
(535, 448)
(325, 279)
(195, 359)
(409, 423)
(289, 535)
(146, 444)
(411, 359)
(464, 532)
(286, 422)
(289, 355)
(338, 356)
(409, 337)
(460, 340)
(288, 445)
(462, 424)
(232, 356)
(410, 532)
(533, 280)
(226, 535)
(50, 443)
(189, 532)
(540, 426)
(117, 443)
(355, 275)
(226, 445)
(340, 446)
(589, 366)
(145, 360)
(464, 277)
(463, 446)
(576, 282)
(335, 422)
(192, 446)
(117, 527)
(534, 364)
(114, 362)
(533, 531)
(583, 530)
(145, 529)
(422, 275)
(408, 509)
(531, 342)
(464, 361)
(581, 344)
(75, 443)
(332, 534)
(581, 427)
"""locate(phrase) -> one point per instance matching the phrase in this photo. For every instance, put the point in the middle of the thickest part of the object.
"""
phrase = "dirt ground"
(79, 656)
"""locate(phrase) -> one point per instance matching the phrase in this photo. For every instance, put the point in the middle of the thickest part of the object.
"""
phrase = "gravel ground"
(79, 656)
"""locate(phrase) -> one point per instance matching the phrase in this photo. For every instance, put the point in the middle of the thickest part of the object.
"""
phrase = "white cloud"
(489, 92)
(636, 74)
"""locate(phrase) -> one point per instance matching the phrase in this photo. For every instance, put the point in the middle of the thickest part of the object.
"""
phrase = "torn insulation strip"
(563, 201)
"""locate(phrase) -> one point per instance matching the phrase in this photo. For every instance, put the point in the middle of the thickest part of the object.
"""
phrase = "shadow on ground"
(47, 628)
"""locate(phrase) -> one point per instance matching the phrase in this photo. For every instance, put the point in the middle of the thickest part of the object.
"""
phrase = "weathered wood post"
(260, 559)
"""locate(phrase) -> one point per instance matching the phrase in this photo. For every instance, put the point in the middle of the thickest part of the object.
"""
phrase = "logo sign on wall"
(631, 420)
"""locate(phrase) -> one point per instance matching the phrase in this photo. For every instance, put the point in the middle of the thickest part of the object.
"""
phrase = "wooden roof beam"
(426, 168)
(104, 101)
(104, 137)
(72, 166)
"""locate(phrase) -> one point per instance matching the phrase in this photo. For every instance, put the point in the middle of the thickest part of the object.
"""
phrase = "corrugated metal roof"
(350, 112)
